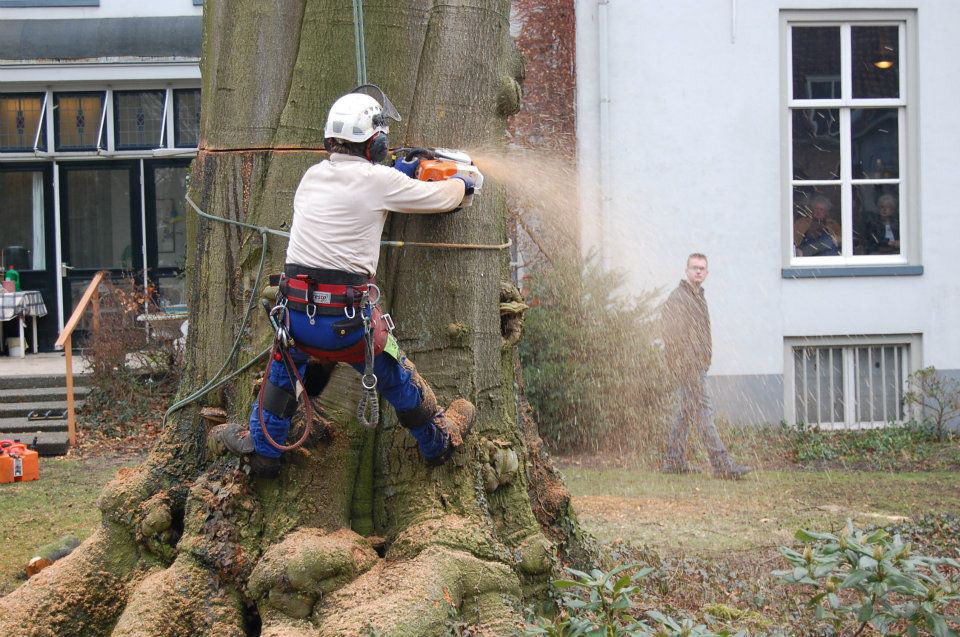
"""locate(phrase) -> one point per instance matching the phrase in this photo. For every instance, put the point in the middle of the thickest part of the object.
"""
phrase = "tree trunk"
(358, 535)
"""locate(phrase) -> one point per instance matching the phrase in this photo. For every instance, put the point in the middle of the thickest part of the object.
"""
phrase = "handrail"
(81, 306)
(90, 295)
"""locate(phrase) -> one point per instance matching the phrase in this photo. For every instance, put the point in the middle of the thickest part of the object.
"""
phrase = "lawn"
(62, 502)
(696, 514)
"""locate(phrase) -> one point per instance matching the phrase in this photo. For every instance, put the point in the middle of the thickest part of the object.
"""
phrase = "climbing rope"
(387, 243)
(214, 384)
(361, 46)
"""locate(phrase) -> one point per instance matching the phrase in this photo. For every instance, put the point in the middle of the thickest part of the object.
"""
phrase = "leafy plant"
(892, 444)
(937, 396)
(592, 374)
(599, 604)
(859, 579)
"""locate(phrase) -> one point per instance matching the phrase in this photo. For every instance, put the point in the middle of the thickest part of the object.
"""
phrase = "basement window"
(848, 383)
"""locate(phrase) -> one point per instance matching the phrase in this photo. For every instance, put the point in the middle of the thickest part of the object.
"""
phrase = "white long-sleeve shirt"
(341, 205)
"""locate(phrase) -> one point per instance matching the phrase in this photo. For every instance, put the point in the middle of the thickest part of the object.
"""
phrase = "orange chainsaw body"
(436, 169)
(17, 463)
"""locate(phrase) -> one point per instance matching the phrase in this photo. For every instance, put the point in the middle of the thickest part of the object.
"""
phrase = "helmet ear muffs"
(377, 148)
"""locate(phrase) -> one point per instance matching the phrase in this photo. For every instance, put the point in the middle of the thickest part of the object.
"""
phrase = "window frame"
(908, 146)
(103, 133)
(115, 115)
(176, 112)
(40, 134)
(913, 357)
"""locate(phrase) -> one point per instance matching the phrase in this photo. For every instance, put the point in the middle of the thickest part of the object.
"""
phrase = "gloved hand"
(408, 166)
(468, 184)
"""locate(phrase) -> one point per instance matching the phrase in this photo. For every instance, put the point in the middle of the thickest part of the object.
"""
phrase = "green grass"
(62, 502)
(697, 514)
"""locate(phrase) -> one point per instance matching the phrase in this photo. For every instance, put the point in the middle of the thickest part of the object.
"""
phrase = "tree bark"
(358, 535)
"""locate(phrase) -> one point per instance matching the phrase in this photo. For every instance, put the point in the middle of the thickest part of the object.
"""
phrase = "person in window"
(883, 227)
(817, 235)
(685, 325)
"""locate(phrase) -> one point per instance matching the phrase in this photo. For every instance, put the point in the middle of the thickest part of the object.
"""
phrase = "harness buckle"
(389, 321)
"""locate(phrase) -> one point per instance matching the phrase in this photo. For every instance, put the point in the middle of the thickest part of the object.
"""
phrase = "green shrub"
(601, 604)
(937, 397)
(592, 374)
(859, 579)
(811, 444)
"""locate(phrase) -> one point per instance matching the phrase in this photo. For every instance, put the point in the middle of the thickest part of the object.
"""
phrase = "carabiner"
(375, 287)
(350, 311)
(311, 313)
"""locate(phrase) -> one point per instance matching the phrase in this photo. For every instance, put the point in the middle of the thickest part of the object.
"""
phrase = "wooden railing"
(91, 296)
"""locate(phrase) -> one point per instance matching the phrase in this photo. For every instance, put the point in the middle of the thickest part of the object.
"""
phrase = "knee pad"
(278, 401)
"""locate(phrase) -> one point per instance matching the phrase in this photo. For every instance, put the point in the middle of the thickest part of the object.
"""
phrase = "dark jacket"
(876, 235)
(685, 325)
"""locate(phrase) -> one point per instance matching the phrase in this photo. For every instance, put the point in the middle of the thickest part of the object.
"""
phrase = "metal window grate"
(848, 387)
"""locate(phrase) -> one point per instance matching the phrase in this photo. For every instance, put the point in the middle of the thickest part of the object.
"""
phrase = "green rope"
(358, 38)
(213, 384)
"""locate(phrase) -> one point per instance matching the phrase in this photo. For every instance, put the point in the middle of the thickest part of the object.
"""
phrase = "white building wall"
(107, 9)
(695, 165)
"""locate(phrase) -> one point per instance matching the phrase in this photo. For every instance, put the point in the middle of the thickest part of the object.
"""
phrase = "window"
(851, 383)
(138, 119)
(186, 112)
(848, 136)
(22, 125)
(79, 122)
(22, 240)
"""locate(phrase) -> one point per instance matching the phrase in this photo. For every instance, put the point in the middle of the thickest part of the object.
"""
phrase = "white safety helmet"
(360, 114)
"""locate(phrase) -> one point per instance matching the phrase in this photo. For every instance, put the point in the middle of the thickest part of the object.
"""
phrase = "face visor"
(389, 110)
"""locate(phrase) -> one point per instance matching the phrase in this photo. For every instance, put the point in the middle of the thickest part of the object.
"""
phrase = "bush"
(937, 397)
(860, 579)
(592, 374)
(602, 604)
(132, 376)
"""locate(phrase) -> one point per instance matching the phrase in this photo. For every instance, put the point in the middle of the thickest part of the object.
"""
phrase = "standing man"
(686, 334)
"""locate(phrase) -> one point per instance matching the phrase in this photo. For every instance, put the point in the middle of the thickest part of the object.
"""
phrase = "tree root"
(423, 596)
(82, 594)
(181, 601)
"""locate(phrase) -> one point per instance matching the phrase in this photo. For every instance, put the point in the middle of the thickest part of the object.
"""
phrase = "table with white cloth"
(20, 305)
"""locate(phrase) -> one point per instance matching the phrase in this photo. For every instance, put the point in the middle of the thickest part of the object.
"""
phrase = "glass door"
(100, 225)
(27, 238)
(165, 186)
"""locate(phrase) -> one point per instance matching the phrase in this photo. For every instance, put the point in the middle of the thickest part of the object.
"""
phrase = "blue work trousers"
(393, 379)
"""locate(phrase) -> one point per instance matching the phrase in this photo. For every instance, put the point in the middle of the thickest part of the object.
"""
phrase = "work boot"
(456, 423)
(730, 470)
(680, 468)
(234, 438)
(427, 421)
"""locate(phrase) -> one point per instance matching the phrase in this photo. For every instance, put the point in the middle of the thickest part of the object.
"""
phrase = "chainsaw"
(438, 164)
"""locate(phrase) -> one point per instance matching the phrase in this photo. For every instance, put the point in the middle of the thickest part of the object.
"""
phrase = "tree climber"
(340, 208)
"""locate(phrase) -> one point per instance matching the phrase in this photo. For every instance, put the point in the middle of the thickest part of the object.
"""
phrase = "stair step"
(22, 426)
(29, 382)
(15, 410)
(40, 394)
(49, 443)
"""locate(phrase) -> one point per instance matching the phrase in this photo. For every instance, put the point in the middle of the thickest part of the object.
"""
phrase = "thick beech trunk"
(358, 536)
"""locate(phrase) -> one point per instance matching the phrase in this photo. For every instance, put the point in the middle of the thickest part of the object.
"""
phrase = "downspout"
(603, 75)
